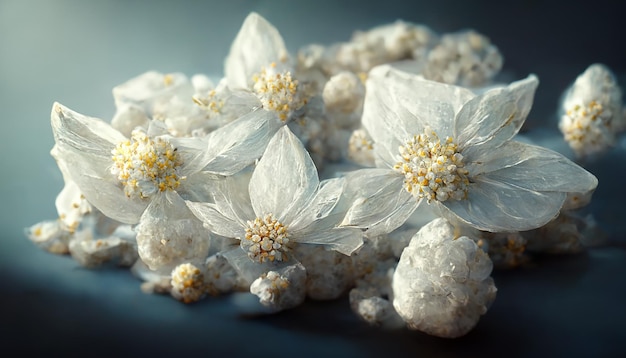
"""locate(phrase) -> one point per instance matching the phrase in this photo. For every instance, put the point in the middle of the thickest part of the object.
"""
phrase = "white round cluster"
(278, 91)
(266, 240)
(187, 283)
(145, 166)
(592, 112)
(433, 170)
(282, 289)
(466, 58)
(442, 283)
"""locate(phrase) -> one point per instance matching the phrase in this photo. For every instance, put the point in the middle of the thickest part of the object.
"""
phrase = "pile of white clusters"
(384, 169)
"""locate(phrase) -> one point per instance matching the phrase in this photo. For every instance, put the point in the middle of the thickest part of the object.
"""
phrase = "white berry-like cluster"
(266, 239)
(146, 166)
(187, 283)
(591, 112)
(466, 58)
(442, 284)
(433, 170)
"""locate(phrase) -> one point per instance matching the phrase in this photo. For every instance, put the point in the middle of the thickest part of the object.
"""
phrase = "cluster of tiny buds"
(188, 283)
(433, 170)
(266, 239)
(145, 166)
(584, 128)
(278, 91)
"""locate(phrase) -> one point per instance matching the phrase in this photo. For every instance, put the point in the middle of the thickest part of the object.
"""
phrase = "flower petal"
(251, 270)
(231, 204)
(284, 180)
(501, 207)
(84, 145)
(237, 144)
(320, 206)
(216, 221)
(534, 168)
(494, 117)
(257, 45)
(82, 133)
(343, 240)
(399, 105)
(380, 202)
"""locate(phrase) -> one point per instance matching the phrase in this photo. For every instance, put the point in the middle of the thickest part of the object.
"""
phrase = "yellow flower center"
(266, 239)
(145, 166)
(278, 91)
(433, 170)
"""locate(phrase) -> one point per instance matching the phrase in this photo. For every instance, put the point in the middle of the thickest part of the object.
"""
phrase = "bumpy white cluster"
(282, 289)
(187, 283)
(266, 239)
(592, 112)
(442, 283)
(145, 166)
(585, 129)
(433, 170)
(278, 91)
(465, 58)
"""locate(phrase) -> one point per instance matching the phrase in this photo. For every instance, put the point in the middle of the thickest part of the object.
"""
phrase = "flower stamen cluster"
(145, 166)
(278, 91)
(209, 102)
(266, 239)
(433, 170)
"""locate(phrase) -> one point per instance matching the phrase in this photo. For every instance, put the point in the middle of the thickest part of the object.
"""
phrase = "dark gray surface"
(75, 52)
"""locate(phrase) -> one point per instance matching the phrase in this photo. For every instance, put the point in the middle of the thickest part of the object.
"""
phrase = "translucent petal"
(284, 180)
(84, 144)
(239, 143)
(192, 151)
(343, 240)
(321, 205)
(412, 103)
(535, 168)
(91, 174)
(495, 206)
(379, 200)
(494, 117)
(81, 133)
(257, 45)
(251, 270)
(217, 222)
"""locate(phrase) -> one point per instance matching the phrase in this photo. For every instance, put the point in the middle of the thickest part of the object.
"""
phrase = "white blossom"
(447, 147)
(285, 205)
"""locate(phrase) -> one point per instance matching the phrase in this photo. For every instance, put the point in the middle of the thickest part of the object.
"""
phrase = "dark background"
(75, 52)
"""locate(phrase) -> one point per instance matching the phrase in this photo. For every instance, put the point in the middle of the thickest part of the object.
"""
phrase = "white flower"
(591, 112)
(285, 205)
(259, 63)
(446, 146)
(142, 178)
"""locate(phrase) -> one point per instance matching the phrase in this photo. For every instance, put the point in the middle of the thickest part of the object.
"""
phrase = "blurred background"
(75, 52)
